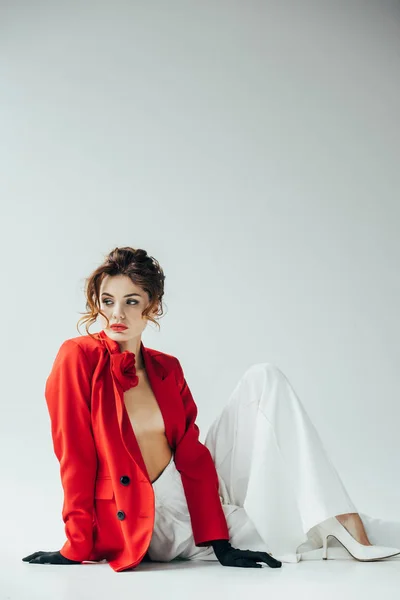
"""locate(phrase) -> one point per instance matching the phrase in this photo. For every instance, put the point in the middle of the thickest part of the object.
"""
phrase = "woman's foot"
(354, 525)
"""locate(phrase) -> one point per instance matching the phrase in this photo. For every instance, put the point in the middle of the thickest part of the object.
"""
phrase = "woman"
(139, 485)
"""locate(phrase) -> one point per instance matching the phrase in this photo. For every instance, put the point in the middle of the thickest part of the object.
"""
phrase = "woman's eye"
(132, 302)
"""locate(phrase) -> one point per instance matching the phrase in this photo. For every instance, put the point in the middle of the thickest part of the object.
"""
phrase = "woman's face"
(123, 302)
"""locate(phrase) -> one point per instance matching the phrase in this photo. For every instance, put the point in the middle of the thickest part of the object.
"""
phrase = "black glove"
(233, 557)
(52, 558)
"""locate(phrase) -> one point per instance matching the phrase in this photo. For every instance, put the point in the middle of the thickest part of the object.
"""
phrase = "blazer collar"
(123, 362)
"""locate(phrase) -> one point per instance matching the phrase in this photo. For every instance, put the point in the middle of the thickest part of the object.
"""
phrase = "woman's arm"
(200, 482)
(68, 393)
(199, 476)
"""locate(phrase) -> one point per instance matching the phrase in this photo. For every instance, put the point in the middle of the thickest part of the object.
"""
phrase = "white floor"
(338, 578)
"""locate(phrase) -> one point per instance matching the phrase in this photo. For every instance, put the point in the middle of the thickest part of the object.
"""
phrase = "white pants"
(276, 480)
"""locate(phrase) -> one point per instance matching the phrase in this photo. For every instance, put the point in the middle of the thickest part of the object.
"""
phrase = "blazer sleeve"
(199, 476)
(67, 393)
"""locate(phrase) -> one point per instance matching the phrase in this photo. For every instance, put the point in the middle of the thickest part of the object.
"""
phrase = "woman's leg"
(272, 462)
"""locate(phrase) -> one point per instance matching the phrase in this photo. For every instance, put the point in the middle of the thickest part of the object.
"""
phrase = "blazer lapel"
(164, 387)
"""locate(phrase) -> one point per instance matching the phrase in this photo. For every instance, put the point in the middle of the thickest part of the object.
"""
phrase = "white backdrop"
(252, 148)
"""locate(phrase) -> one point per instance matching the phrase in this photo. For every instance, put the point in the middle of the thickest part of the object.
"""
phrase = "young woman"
(138, 483)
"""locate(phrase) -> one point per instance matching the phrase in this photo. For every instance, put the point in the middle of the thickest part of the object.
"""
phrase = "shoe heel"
(325, 547)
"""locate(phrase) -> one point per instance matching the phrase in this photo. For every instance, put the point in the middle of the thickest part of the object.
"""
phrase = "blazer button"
(125, 480)
(121, 515)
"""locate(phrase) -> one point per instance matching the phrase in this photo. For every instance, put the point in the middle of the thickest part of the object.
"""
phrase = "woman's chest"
(143, 409)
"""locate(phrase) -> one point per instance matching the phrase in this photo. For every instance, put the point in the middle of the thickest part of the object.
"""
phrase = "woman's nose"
(118, 314)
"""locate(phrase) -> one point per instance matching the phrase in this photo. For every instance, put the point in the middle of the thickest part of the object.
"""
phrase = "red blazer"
(109, 505)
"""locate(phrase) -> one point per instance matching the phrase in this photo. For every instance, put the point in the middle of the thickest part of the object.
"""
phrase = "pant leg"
(274, 465)
(275, 479)
(172, 528)
(172, 533)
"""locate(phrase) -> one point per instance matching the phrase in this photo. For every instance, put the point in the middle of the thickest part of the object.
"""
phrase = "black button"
(121, 515)
(125, 480)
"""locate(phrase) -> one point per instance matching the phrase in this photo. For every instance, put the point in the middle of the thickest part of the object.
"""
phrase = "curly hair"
(144, 271)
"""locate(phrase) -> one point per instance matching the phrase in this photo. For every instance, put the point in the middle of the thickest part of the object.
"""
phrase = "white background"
(253, 149)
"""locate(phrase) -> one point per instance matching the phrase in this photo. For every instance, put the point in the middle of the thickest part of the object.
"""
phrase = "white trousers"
(277, 481)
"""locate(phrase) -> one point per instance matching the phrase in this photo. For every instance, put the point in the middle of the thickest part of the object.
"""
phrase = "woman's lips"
(118, 328)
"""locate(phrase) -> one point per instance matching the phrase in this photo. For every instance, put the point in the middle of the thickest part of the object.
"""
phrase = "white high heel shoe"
(333, 528)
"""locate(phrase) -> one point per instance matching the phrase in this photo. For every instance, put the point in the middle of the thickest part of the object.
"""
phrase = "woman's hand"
(49, 558)
(233, 557)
